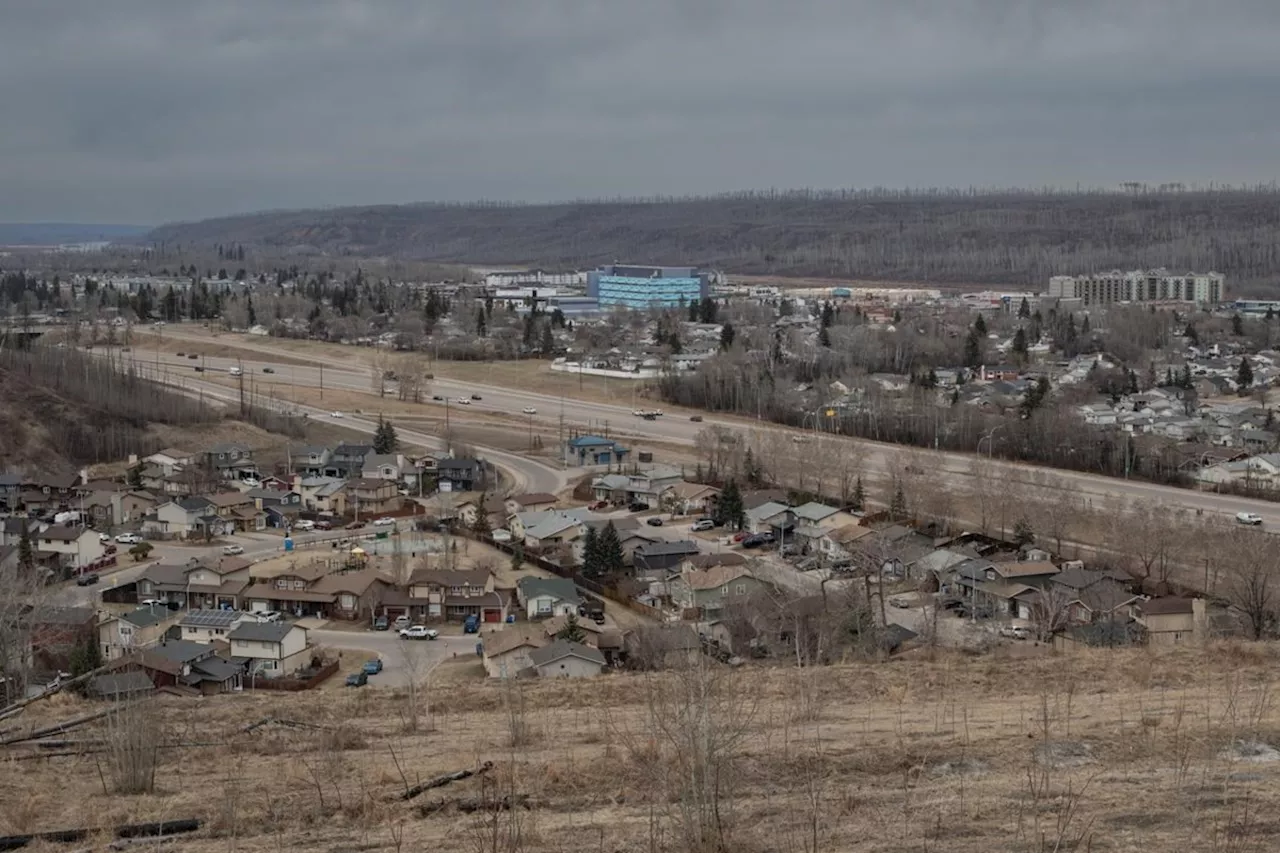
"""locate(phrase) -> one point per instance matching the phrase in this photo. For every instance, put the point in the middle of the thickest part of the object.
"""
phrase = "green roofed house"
(593, 450)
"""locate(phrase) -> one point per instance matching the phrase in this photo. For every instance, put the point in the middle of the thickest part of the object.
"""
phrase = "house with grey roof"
(309, 460)
(270, 649)
(661, 555)
(544, 597)
(566, 659)
(209, 626)
(183, 663)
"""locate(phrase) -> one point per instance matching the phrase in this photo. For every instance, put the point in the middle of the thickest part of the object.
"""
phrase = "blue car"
(372, 667)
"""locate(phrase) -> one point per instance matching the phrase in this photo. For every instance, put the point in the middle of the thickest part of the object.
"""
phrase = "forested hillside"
(1016, 238)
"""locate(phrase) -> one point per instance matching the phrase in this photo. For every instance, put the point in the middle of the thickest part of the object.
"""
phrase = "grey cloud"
(149, 110)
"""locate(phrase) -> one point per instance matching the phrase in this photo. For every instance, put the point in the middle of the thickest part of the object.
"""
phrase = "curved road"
(676, 427)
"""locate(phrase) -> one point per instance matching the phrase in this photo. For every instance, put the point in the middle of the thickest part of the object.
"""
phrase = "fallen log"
(63, 727)
(280, 721)
(56, 689)
(469, 805)
(441, 781)
(147, 831)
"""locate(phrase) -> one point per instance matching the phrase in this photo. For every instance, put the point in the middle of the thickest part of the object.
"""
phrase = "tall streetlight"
(988, 438)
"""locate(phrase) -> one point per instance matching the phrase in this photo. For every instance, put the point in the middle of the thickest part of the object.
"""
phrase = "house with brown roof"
(356, 595)
(455, 594)
(506, 653)
(76, 547)
(840, 544)
(197, 584)
(690, 498)
(1172, 620)
(368, 496)
(707, 592)
(530, 502)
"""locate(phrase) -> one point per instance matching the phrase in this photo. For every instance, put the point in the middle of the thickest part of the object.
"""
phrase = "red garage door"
(493, 616)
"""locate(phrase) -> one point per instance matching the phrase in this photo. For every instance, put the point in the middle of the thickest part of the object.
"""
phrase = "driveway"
(401, 659)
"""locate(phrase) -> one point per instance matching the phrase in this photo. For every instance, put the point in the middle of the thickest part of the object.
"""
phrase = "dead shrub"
(133, 741)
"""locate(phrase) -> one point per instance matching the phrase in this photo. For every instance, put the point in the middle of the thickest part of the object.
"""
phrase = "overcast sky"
(144, 111)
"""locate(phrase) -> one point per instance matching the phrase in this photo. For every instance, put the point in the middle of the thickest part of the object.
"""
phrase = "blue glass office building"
(647, 287)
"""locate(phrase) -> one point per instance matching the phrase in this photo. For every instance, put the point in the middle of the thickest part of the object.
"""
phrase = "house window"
(455, 590)
(299, 584)
(348, 602)
(190, 630)
(740, 589)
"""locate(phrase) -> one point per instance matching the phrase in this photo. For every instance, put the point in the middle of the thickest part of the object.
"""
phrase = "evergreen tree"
(1168, 377)
(572, 631)
(85, 657)
(1022, 532)
(1024, 309)
(824, 338)
(751, 470)
(898, 505)
(693, 312)
(727, 335)
(480, 526)
(1084, 325)
(1237, 325)
(1271, 314)
(1244, 376)
(612, 560)
(481, 329)
(590, 553)
(973, 349)
(385, 439)
(1019, 344)
(26, 557)
(980, 325)
(1184, 381)
(729, 509)
(1192, 336)
(859, 498)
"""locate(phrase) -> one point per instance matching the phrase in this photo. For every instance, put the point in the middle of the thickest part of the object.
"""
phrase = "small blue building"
(593, 450)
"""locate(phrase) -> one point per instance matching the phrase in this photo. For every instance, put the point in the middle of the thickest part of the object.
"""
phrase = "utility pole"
(322, 380)
(242, 406)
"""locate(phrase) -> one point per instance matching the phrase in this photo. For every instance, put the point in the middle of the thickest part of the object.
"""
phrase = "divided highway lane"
(954, 468)
(530, 474)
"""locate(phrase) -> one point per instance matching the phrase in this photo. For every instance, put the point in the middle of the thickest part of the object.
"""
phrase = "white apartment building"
(1157, 285)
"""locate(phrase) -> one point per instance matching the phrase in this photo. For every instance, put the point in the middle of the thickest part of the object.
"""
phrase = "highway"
(875, 459)
(529, 475)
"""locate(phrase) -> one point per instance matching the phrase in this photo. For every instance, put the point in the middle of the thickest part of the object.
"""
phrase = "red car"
(599, 505)
(740, 535)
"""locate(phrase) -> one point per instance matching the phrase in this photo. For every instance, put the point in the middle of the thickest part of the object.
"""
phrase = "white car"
(335, 414)
(384, 522)
(419, 632)
(529, 410)
(304, 524)
(152, 602)
(128, 538)
(232, 550)
(462, 401)
(1014, 632)
(1248, 518)
(102, 537)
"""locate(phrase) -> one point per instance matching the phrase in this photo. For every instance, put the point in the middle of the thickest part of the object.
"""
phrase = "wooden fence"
(292, 683)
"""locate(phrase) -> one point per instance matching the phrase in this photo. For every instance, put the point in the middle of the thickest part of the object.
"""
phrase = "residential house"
(1007, 589)
(1092, 596)
(132, 507)
(347, 460)
(198, 583)
(770, 517)
(271, 508)
(1171, 620)
(461, 475)
(594, 450)
(672, 645)
(310, 460)
(647, 487)
(839, 545)
(272, 649)
(592, 633)
(530, 502)
(120, 635)
(386, 466)
(11, 530)
(10, 490)
(1255, 472)
(753, 498)
(631, 535)
(189, 518)
(691, 498)
(211, 626)
(700, 562)
(455, 594)
(290, 590)
(326, 495)
(356, 595)
(232, 461)
(551, 529)
(264, 498)
(77, 547)
(177, 662)
(566, 659)
(709, 591)
(56, 632)
(545, 597)
(506, 652)
(58, 489)
(661, 555)
(170, 461)
(373, 497)
(611, 488)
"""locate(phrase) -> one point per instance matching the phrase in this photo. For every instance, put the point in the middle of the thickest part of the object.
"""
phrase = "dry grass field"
(1101, 751)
